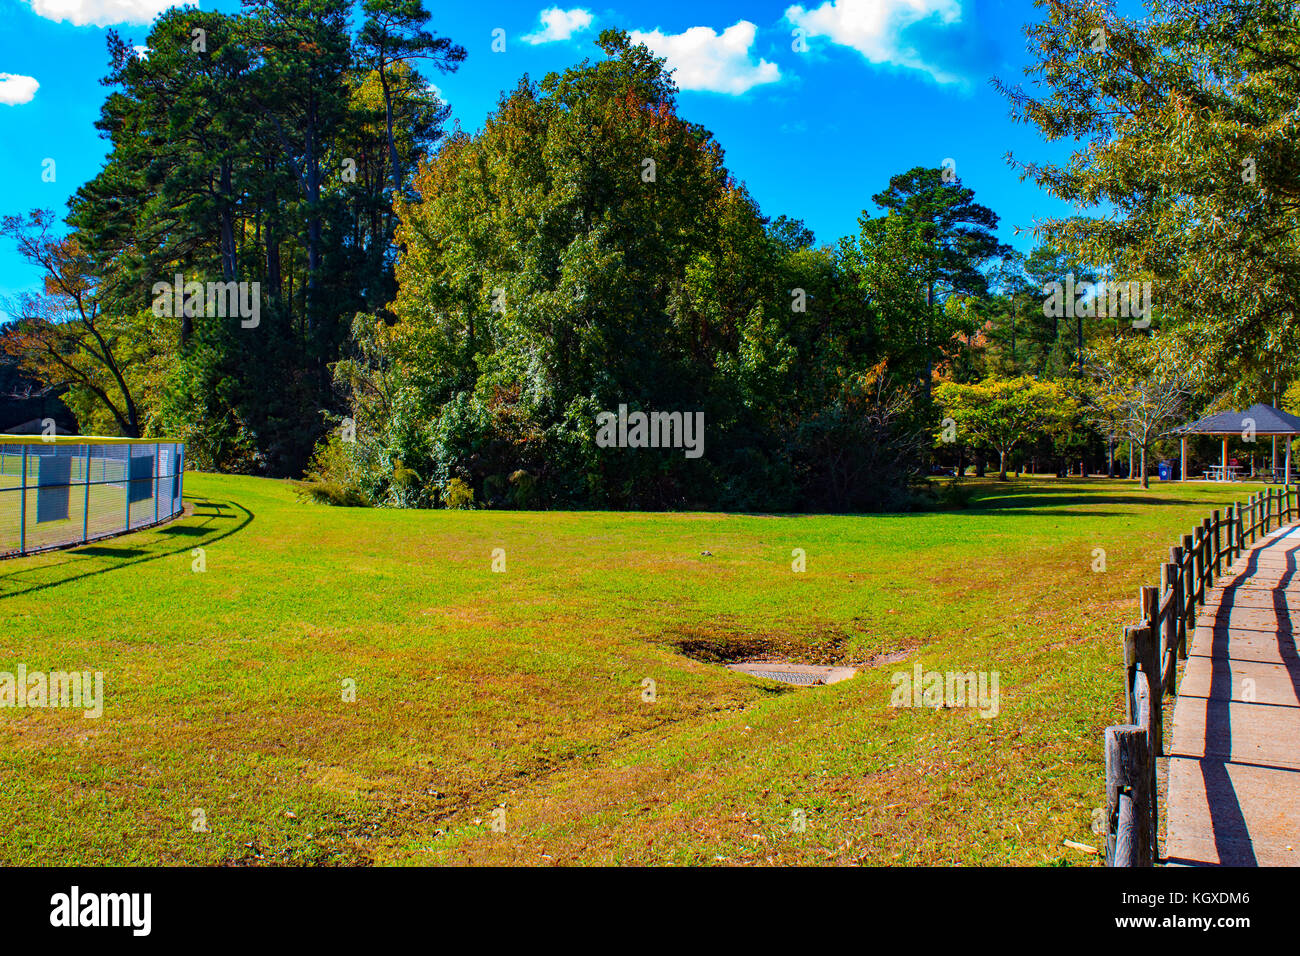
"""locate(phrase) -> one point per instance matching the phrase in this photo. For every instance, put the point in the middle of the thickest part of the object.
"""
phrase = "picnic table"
(1222, 473)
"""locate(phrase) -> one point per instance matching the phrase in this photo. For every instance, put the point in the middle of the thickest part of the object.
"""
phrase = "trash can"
(1166, 470)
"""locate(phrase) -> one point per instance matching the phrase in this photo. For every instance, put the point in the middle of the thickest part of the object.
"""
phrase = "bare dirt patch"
(727, 645)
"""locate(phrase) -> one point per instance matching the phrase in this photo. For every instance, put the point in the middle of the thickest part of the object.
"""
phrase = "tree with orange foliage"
(61, 336)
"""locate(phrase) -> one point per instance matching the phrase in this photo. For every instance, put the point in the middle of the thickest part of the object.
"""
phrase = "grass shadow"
(134, 556)
(188, 530)
(98, 551)
(1038, 502)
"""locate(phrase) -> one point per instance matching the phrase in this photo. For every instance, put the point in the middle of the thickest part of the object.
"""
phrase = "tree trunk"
(229, 263)
(388, 121)
(929, 359)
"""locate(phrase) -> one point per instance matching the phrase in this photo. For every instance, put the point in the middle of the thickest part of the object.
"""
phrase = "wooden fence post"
(1169, 627)
(1146, 649)
(1230, 536)
(1217, 524)
(1207, 559)
(1235, 518)
(1189, 588)
(1176, 559)
(1127, 798)
(1130, 669)
(1148, 713)
(1197, 569)
(1131, 803)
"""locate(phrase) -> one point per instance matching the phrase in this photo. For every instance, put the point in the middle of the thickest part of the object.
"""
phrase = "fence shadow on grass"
(202, 534)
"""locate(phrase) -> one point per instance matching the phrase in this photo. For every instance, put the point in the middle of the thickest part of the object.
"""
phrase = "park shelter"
(36, 426)
(1257, 420)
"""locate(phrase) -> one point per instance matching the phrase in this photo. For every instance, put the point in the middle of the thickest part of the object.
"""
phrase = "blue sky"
(814, 123)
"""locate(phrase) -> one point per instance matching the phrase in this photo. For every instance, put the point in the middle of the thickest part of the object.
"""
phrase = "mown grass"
(523, 689)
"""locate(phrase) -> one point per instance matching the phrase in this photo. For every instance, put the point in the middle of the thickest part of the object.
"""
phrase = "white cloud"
(705, 60)
(560, 24)
(874, 28)
(15, 88)
(103, 13)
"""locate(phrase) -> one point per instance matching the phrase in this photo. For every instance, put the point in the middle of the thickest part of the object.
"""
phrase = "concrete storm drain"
(806, 675)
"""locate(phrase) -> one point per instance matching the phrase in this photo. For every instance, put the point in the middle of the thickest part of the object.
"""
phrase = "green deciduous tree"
(588, 249)
(1185, 125)
(1004, 414)
(1141, 387)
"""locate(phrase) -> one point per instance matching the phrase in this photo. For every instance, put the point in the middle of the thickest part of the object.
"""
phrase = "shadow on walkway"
(1232, 838)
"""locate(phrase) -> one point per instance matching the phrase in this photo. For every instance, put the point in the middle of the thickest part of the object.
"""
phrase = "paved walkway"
(1234, 765)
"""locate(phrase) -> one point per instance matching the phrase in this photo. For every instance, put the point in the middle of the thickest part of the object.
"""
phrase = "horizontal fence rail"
(55, 493)
(1152, 649)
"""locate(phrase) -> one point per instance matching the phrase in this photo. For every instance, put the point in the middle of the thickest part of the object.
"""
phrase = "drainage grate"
(787, 672)
(788, 677)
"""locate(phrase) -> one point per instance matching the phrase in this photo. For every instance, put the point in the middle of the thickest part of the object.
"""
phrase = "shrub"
(334, 475)
(457, 494)
(523, 489)
(956, 494)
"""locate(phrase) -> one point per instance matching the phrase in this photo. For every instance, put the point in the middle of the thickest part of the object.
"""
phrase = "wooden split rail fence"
(1152, 650)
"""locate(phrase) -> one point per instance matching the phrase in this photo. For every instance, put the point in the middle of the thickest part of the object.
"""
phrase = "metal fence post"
(22, 507)
(126, 481)
(85, 508)
(157, 482)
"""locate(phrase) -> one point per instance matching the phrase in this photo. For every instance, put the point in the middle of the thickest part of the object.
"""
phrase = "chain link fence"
(56, 492)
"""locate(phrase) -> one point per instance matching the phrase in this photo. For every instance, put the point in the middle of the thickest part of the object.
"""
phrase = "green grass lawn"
(523, 689)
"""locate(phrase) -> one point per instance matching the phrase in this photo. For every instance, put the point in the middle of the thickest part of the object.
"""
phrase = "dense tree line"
(589, 250)
(447, 317)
